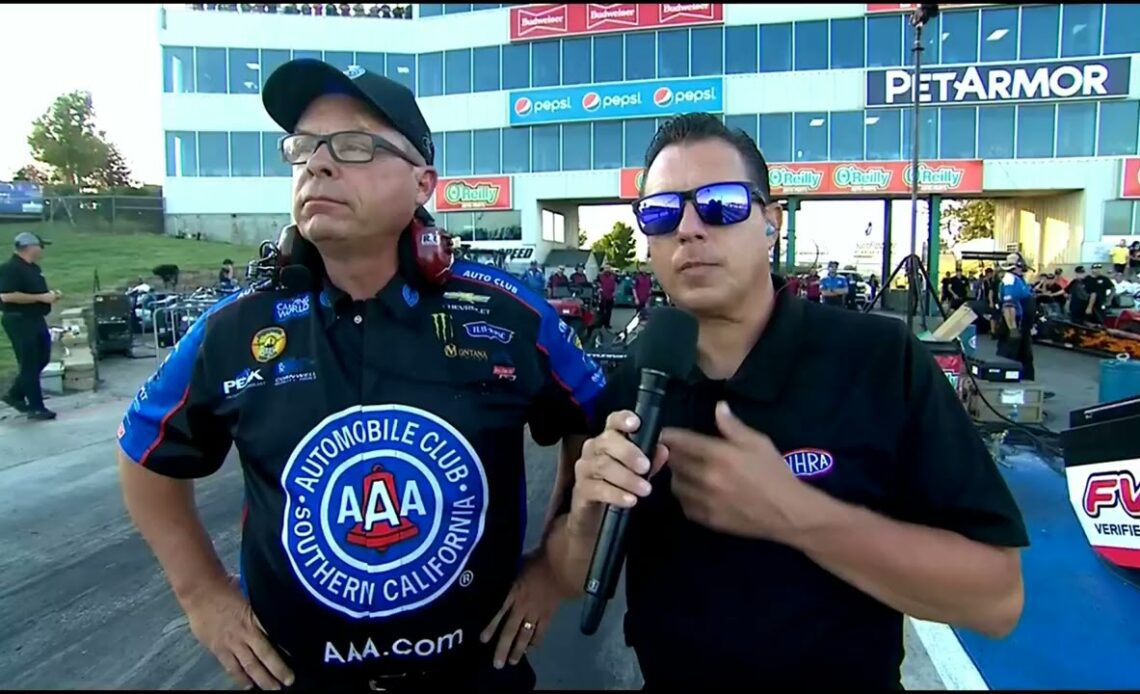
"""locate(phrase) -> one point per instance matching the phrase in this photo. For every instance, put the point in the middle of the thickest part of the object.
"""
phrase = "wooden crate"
(1021, 402)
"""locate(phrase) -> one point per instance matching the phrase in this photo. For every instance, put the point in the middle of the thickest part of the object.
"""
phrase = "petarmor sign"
(1055, 80)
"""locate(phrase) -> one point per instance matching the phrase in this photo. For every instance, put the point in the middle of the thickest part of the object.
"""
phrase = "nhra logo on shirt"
(384, 506)
(809, 462)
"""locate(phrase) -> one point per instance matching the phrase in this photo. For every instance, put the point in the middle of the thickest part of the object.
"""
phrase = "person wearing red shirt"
(813, 290)
(607, 287)
(642, 286)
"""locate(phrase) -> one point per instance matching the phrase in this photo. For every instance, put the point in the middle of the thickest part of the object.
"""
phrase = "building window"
(959, 37)
(177, 70)
(576, 64)
(673, 53)
(544, 148)
(213, 154)
(741, 50)
(271, 60)
(516, 66)
(846, 136)
(706, 55)
(1080, 30)
(999, 35)
(957, 132)
(457, 148)
(747, 123)
(271, 162)
(432, 9)
(641, 56)
(245, 71)
(372, 62)
(931, 42)
(884, 41)
(883, 129)
(576, 149)
(516, 150)
(439, 156)
(181, 154)
(210, 70)
(544, 64)
(1040, 26)
(1035, 129)
(553, 227)
(308, 55)
(775, 141)
(928, 136)
(341, 60)
(245, 154)
(847, 43)
(1076, 130)
(609, 63)
(457, 71)
(485, 61)
(638, 134)
(456, 7)
(607, 145)
(430, 77)
(498, 225)
(402, 68)
(995, 132)
(1121, 29)
(1120, 218)
(775, 47)
(811, 45)
(1119, 122)
(810, 136)
(461, 224)
(487, 151)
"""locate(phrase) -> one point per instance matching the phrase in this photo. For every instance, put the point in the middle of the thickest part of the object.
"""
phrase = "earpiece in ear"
(771, 229)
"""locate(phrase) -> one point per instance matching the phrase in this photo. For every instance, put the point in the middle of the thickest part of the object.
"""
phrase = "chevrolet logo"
(444, 332)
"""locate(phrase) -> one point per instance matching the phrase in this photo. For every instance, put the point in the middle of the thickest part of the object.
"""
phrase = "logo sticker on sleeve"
(297, 307)
(267, 344)
(809, 462)
(384, 506)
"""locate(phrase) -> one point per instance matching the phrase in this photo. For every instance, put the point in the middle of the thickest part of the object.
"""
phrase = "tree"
(581, 238)
(968, 220)
(114, 173)
(64, 138)
(617, 247)
(30, 173)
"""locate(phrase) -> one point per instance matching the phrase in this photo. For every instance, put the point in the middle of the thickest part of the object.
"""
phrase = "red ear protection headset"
(425, 252)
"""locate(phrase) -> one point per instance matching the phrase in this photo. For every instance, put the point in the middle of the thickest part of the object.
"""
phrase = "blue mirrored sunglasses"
(717, 204)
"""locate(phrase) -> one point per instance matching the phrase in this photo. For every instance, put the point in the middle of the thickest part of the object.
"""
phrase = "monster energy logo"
(479, 195)
(443, 328)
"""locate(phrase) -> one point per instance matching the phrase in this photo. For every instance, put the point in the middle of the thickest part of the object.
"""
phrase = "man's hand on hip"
(223, 621)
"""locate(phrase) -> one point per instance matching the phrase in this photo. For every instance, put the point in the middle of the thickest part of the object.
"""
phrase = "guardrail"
(172, 317)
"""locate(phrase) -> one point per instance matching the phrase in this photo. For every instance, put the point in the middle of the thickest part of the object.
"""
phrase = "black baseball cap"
(298, 83)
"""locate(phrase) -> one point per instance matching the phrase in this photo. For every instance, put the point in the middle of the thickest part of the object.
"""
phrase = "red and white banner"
(1130, 178)
(482, 193)
(532, 22)
(1106, 499)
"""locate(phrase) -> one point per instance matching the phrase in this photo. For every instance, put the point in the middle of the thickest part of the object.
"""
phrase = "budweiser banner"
(482, 193)
(530, 22)
(855, 178)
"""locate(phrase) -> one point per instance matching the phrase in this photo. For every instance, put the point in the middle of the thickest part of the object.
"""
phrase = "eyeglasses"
(345, 147)
(717, 204)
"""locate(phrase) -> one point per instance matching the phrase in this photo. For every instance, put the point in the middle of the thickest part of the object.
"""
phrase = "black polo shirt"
(18, 275)
(382, 447)
(861, 411)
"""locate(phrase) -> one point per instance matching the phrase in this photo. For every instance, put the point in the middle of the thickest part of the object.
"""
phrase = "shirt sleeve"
(171, 426)
(10, 279)
(565, 401)
(949, 479)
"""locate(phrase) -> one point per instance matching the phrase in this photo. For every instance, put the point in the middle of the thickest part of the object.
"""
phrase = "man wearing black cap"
(1018, 315)
(377, 397)
(26, 302)
(1100, 288)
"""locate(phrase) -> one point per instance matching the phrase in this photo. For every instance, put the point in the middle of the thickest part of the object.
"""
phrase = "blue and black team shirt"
(381, 443)
(1015, 292)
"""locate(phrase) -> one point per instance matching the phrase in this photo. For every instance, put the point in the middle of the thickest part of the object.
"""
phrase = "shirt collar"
(771, 361)
(397, 299)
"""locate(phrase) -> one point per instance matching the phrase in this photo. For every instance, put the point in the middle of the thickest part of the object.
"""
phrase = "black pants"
(605, 312)
(1019, 350)
(511, 679)
(31, 342)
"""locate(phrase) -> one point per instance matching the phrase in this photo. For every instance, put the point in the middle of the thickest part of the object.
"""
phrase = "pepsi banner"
(620, 100)
(1055, 80)
(21, 199)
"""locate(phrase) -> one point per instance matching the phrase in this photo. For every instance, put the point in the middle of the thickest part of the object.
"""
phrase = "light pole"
(915, 270)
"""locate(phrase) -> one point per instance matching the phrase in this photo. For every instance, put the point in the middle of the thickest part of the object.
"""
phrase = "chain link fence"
(116, 212)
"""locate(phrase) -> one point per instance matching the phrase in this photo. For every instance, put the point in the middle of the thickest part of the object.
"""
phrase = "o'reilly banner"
(619, 100)
(1055, 80)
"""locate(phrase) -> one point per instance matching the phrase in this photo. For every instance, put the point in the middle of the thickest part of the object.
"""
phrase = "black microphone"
(665, 350)
(296, 278)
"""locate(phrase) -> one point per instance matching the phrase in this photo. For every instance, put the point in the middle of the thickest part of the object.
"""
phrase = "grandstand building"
(538, 109)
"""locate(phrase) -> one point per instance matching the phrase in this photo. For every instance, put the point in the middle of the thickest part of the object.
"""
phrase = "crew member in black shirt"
(1101, 289)
(958, 289)
(26, 302)
(803, 502)
(377, 400)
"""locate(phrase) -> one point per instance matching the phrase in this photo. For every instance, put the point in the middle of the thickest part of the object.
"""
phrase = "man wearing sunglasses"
(378, 408)
(803, 498)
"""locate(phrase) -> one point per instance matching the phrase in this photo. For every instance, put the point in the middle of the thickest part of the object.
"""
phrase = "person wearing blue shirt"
(534, 279)
(1018, 309)
(833, 287)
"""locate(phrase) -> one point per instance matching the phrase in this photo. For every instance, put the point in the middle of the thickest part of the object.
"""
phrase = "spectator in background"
(834, 286)
(1134, 261)
(958, 289)
(26, 301)
(1101, 289)
(607, 288)
(642, 286)
(558, 279)
(579, 276)
(792, 285)
(1119, 254)
(534, 278)
(813, 289)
